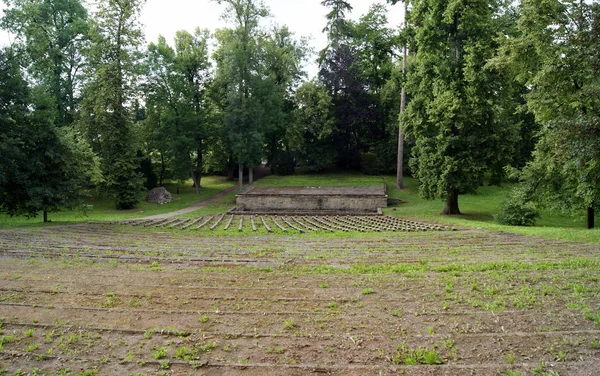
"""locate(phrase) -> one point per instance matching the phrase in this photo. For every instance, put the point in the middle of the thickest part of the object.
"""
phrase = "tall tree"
(557, 56)
(400, 157)
(43, 168)
(54, 34)
(282, 68)
(177, 80)
(451, 113)
(114, 66)
(238, 65)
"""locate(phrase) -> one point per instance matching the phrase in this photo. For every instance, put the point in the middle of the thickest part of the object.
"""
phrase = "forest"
(462, 94)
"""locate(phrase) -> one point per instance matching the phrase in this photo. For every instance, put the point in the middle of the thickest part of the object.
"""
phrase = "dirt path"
(259, 172)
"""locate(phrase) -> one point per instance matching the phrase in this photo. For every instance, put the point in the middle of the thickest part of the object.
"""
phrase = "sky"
(306, 18)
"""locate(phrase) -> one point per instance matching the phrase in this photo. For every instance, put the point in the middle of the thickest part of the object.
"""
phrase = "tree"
(238, 65)
(53, 35)
(282, 70)
(556, 54)
(177, 80)
(106, 119)
(451, 113)
(310, 132)
(42, 168)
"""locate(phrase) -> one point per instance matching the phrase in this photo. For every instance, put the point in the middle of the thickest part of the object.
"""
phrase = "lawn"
(477, 209)
(102, 208)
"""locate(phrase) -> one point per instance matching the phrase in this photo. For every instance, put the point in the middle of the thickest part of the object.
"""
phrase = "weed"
(207, 347)
(510, 358)
(204, 318)
(595, 317)
(185, 353)
(323, 285)
(155, 267)
(177, 332)
(29, 333)
(110, 300)
(595, 344)
(448, 344)
(148, 333)
(289, 324)
(421, 355)
(397, 313)
(32, 348)
(561, 356)
(159, 353)
(512, 373)
(333, 306)
(368, 291)
(164, 364)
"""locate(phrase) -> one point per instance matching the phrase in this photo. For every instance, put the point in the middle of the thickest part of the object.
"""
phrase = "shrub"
(516, 214)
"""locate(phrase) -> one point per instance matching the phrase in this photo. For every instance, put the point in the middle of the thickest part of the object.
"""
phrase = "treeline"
(86, 105)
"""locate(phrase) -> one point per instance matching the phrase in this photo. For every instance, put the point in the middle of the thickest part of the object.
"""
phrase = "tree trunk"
(163, 170)
(230, 170)
(199, 163)
(452, 203)
(196, 179)
(400, 168)
(590, 217)
(241, 176)
(250, 175)
(45, 216)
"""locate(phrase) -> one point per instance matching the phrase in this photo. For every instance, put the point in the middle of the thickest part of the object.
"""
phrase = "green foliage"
(43, 168)
(178, 126)
(556, 53)
(105, 118)
(310, 134)
(452, 111)
(414, 356)
(53, 35)
(515, 214)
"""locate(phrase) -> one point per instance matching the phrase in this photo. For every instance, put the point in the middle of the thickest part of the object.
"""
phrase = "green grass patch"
(103, 207)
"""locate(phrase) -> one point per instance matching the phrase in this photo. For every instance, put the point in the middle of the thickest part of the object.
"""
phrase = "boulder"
(159, 195)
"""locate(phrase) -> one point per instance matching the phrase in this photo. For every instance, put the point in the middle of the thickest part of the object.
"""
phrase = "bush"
(516, 214)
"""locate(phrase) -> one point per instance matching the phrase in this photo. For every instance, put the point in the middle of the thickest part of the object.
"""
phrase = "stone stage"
(363, 200)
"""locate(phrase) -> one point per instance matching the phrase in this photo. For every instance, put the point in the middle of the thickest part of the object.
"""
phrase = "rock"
(159, 195)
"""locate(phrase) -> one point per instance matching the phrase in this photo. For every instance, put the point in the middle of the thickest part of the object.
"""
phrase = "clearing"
(116, 299)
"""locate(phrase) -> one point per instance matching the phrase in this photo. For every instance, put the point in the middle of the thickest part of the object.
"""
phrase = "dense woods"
(493, 91)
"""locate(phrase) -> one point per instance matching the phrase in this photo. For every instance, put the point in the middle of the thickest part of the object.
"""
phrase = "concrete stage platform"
(312, 200)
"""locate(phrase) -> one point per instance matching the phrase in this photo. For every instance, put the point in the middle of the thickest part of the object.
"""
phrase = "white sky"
(303, 17)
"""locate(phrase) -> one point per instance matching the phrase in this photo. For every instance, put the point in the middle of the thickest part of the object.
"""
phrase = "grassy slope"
(477, 209)
(103, 208)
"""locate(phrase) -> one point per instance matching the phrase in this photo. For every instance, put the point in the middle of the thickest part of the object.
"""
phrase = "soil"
(114, 299)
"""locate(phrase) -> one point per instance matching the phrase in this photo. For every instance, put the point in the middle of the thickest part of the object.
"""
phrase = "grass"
(477, 209)
(103, 207)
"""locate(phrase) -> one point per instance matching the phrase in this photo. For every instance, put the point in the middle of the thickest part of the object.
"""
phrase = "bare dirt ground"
(113, 299)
